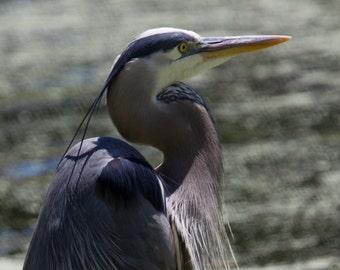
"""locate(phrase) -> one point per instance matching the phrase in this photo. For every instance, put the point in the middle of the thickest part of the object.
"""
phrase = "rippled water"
(277, 113)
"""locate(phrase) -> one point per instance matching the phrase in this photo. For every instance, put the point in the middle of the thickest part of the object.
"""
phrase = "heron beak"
(226, 47)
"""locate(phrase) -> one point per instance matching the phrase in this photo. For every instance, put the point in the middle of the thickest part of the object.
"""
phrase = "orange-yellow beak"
(224, 47)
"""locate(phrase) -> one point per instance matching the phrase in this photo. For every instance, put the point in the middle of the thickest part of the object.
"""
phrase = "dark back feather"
(108, 215)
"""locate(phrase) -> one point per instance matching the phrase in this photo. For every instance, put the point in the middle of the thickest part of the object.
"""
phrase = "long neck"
(192, 166)
(197, 161)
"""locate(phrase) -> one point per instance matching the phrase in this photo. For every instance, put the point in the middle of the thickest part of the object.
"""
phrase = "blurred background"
(277, 112)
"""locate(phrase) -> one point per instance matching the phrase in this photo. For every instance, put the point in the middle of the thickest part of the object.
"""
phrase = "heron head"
(176, 54)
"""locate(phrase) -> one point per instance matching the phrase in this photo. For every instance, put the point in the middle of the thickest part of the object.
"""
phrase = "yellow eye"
(183, 47)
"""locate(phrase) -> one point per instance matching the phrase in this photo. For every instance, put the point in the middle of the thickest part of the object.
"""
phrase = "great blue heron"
(106, 207)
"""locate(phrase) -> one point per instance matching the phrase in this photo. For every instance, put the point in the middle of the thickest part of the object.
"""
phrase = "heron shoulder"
(122, 179)
(112, 168)
(109, 186)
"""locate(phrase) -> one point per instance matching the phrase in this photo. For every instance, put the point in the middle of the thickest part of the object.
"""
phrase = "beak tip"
(285, 38)
(269, 41)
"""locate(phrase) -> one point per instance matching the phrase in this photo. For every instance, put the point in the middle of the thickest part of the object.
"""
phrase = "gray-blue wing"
(104, 210)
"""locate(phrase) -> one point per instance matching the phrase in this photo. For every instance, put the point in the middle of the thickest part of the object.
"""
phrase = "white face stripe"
(180, 69)
(173, 54)
(163, 30)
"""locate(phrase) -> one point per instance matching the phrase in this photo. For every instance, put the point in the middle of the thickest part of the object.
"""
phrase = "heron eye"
(183, 47)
